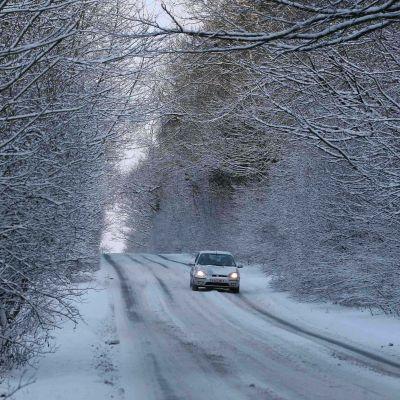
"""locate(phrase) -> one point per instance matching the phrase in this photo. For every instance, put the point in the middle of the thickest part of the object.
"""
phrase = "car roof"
(214, 252)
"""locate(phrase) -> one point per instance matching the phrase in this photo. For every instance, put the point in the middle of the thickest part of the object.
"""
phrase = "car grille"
(217, 284)
(219, 276)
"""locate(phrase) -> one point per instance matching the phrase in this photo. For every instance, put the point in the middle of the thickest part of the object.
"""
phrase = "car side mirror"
(240, 266)
(191, 264)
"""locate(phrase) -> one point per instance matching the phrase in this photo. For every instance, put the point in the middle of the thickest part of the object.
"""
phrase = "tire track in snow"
(226, 365)
(168, 392)
(171, 260)
(205, 360)
(126, 290)
(155, 262)
(163, 286)
(291, 327)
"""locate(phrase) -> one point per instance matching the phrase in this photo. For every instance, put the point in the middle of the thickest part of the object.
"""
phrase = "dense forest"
(288, 158)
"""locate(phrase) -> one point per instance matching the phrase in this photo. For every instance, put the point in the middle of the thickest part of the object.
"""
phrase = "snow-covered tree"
(292, 154)
(67, 84)
(282, 25)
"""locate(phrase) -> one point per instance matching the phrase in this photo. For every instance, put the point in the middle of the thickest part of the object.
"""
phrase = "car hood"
(215, 270)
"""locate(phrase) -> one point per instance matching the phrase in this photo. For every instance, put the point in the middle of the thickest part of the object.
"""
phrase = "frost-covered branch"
(282, 25)
(66, 98)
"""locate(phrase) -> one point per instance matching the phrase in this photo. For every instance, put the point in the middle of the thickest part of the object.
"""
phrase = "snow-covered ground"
(85, 365)
(378, 333)
(173, 343)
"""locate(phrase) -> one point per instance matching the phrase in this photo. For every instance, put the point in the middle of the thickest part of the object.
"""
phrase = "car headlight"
(233, 275)
(200, 274)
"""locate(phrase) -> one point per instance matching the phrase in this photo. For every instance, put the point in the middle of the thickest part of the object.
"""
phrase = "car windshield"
(221, 260)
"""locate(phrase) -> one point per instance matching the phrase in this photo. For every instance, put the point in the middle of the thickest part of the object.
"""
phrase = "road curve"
(185, 345)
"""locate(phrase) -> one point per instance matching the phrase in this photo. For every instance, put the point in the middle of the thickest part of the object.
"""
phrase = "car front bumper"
(218, 283)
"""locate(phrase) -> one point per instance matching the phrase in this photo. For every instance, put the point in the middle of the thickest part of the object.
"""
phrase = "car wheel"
(235, 290)
(195, 288)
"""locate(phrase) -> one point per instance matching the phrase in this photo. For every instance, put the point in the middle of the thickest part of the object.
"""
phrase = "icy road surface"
(179, 344)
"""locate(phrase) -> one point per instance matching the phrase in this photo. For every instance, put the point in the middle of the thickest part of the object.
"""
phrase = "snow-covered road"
(179, 344)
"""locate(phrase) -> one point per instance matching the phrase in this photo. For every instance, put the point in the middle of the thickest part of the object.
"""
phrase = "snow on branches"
(286, 151)
(64, 95)
(291, 25)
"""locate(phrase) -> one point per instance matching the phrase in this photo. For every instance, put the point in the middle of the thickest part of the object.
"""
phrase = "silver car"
(215, 270)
